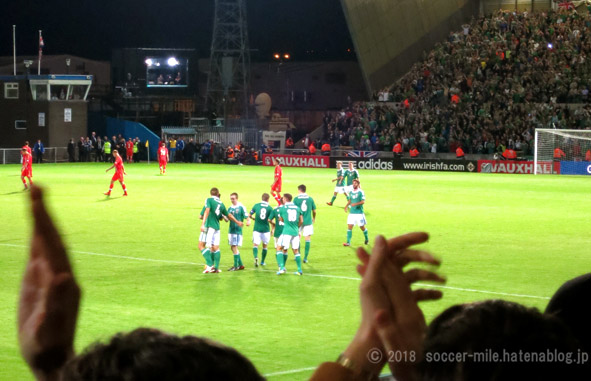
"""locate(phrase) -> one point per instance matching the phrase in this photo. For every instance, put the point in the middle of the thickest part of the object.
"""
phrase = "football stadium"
(398, 191)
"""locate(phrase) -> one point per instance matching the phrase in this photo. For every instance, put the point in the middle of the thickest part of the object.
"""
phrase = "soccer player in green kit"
(261, 213)
(276, 232)
(291, 216)
(308, 207)
(235, 232)
(340, 187)
(210, 230)
(351, 174)
(356, 215)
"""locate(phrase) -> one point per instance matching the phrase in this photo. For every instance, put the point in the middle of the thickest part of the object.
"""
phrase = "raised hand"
(49, 299)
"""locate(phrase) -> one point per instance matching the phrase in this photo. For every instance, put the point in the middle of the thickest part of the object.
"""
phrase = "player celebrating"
(162, 157)
(291, 216)
(276, 186)
(276, 232)
(129, 151)
(356, 216)
(351, 174)
(340, 187)
(235, 232)
(261, 213)
(308, 207)
(119, 172)
(27, 168)
(210, 230)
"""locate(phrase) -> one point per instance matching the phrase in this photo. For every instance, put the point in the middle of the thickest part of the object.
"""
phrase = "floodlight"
(149, 61)
(172, 61)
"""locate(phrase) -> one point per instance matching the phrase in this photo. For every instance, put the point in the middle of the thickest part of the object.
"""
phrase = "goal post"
(564, 151)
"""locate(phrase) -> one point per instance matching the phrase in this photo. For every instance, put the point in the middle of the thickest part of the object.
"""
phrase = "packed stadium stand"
(486, 87)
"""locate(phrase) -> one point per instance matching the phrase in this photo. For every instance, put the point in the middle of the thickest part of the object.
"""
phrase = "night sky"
(91, 28)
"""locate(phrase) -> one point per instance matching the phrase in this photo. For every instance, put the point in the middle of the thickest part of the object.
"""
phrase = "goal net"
(566, 152)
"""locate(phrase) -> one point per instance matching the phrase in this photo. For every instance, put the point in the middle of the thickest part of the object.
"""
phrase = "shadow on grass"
(109, 198)
(15, 192)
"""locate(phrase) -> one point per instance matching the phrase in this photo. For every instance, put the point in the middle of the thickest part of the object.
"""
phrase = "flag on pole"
(41, 45)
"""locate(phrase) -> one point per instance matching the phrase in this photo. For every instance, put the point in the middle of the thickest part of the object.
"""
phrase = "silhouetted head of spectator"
(149, 354)
(494, 337)
(571, 305)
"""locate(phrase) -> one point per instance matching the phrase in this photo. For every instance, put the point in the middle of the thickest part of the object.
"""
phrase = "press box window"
(11, 90)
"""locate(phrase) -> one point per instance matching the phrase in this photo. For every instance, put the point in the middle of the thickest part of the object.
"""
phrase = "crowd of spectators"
(485, 88)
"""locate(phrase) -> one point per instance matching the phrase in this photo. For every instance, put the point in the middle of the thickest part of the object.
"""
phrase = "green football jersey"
(262, 212)
(290, 213)
(278, 223)
(356, 196)
(340, 178)
(239, 213)
(216, 211)
(351, 175)
(307, 205)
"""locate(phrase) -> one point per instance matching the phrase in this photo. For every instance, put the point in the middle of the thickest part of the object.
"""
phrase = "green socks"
(264, 255)
(280, 260)
(332, 199)
(236, 260)
(284, 259)
(208, 258)
(298, 260)
(216, 257)
(365, 233)
(307, 249)
(255, 252)
(349, 235)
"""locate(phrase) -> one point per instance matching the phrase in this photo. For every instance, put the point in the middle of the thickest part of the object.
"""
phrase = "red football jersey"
(129, 145)
(27, 162)
(278, 173)
(163, 153)
(119, 165)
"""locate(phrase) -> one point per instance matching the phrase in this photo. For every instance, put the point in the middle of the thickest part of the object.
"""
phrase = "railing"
(51, 155)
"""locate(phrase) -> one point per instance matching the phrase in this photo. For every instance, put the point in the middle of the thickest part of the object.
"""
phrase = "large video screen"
(167, 72)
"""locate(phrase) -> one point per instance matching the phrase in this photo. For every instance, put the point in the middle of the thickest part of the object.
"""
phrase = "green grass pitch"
(515, 237)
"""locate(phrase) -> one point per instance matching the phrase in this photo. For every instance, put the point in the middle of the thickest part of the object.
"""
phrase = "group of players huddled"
(292, 217)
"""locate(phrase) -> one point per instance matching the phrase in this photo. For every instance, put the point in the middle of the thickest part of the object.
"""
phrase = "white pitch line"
(307, 274)
(290, 371)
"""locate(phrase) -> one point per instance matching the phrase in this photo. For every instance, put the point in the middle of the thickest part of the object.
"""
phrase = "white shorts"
(211, 237)
(290, 240)
(257, 237)
(356, 219)
(277, 241)
(307, 230)
(339, 189)
(235, 239)
(349, 188)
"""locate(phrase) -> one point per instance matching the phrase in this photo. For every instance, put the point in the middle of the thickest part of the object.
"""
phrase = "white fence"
(51, 155)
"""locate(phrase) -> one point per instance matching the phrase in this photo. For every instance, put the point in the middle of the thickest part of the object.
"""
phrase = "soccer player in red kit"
(162, 157)
(27, 168)
(119, 172)
(276, 187)
(129, 151)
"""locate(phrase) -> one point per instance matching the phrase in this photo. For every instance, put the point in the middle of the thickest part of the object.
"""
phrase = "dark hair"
(265, 197)
(149, 354)
(287, 197)
(302, 188)
(214, 192)
(495, 327)
(569, 304)
(234, 194)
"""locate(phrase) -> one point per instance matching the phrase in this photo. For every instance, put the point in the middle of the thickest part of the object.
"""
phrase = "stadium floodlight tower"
(562, 151)
(227, 83)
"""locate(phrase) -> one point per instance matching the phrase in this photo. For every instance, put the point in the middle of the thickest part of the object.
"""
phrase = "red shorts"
(162, 162)
(27, 173)
(129, 153)
(276, 187)
(117, 176)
